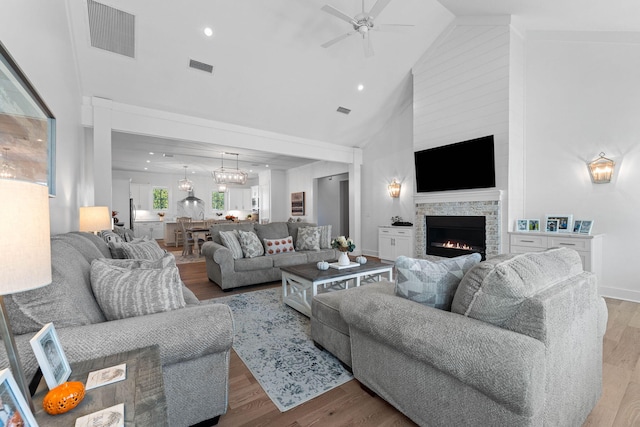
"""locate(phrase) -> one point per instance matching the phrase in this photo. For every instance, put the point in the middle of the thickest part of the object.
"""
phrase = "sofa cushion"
(110, 236)
(308, 239)
(87, 244)
(274, 230)
(293, 228)
(146, 249)
(125, 292)
(67, 301)
(321, 255)
(230, 241)
(432, 283)
(283, 260)
(325, 236)
(251, 264)
(278, 246)
(493, 290)
(250, 244)
(215, 229)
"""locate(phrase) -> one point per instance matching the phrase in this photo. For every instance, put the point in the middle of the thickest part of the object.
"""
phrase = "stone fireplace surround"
(488, 204)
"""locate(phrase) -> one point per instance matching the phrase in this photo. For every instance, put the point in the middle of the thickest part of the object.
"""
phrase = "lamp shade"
(95, 218)
(25, 230)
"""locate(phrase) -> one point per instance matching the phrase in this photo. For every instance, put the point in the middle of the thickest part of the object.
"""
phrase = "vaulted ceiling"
(270, 71)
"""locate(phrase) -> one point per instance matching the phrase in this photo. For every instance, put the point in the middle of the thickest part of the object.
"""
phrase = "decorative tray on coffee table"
(340, 267)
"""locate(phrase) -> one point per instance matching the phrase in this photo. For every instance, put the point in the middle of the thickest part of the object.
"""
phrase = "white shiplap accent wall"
(462, 91)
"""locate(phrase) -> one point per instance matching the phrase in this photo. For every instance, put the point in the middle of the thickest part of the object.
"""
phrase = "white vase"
(344, 259)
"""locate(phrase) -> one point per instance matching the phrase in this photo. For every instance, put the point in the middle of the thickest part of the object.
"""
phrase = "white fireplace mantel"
(458, 196)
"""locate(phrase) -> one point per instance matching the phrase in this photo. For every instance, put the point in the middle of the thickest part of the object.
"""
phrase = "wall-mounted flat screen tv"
(460, 166)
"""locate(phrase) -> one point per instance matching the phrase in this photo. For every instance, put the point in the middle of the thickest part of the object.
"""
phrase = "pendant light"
(229, 176)
(185, 184)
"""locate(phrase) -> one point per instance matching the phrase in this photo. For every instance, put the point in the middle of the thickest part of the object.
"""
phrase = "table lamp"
(24, 224)
(95, 218)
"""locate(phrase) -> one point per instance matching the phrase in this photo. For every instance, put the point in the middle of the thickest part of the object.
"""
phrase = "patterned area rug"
(187, 258)
(274, 341)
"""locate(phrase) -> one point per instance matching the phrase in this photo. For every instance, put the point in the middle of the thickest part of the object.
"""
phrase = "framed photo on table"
(53, 363)
(14, 409)
(583, 226)
(552, 226)
(565, 222)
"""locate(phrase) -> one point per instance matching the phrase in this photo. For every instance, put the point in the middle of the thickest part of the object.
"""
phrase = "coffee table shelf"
(300, 283)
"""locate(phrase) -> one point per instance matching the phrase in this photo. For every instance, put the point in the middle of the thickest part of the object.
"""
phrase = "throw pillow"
(250, 244)
(147, 249)
(129, 292)
(278, 246)
(325, 236)
(432, 283)
(308, 239)
(117, 248)
(230, 240)
(110, 236)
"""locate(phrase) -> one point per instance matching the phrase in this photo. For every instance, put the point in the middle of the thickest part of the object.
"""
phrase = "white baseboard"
(617, 293)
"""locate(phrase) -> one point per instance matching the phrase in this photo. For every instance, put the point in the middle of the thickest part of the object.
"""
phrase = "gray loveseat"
(522, 345)
(229, 273)
(194, 341)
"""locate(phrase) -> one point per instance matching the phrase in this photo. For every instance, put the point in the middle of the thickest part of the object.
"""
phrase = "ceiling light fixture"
(208, 31)
(229, 176)
(185, 184)
(360, 87)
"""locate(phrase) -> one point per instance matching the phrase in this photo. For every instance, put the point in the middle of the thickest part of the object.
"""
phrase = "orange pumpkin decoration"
(63, 398)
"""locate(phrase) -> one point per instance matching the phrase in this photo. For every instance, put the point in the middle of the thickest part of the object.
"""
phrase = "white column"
(355, 202)
(101, 169)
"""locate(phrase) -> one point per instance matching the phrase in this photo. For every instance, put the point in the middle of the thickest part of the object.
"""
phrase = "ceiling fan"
(362, 24)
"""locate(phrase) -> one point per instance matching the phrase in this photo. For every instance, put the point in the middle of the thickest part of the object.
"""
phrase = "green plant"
(217, 200)
(160, 198)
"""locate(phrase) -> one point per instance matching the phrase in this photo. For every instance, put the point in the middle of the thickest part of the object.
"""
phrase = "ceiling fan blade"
(335, 12)
(393, 27)
(337, 39)
(366, 43)
(378, 7)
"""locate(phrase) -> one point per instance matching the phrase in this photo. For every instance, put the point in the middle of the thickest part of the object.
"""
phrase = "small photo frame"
(522, 225)
(552, 225)
(533, 225)
(53, 363)
(14, 409)
(583, 226)
(565, 222)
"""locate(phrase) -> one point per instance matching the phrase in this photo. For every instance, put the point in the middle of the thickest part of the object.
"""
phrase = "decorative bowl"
(322, 265)
(63, 398)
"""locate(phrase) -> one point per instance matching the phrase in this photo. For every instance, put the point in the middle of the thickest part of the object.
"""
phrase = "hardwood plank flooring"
(350, 405)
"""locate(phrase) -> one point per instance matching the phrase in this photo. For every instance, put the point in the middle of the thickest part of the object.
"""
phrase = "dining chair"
(178, 233)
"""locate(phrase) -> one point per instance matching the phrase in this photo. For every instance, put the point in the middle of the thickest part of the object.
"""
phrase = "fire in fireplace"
(451, 236)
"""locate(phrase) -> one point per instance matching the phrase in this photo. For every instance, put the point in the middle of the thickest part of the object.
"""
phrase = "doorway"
(333, 203)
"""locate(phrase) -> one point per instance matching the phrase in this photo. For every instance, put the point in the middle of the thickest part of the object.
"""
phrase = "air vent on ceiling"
(201, 66)
(343, 110)
(111, 29)
(167, 155)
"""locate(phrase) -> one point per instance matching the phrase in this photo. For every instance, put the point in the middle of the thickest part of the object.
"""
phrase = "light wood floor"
(349, 405)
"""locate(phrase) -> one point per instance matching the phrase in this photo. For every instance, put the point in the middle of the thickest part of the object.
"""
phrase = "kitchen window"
(217, 200)
(160, 198)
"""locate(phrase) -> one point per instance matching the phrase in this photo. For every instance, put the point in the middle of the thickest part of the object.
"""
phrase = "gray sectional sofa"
(194, 340)
(521, 346)
(231, 273)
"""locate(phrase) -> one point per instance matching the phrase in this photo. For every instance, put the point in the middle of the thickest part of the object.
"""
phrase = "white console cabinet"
(588, 247)
(394, 241)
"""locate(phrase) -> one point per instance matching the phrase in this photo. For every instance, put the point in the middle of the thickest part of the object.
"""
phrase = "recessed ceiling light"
(152, 153)
(148, 161)
(146, 168)
(208, 31)
(266, 166)
(360, 87)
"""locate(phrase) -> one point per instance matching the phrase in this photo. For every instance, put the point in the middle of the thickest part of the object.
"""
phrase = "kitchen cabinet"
(141, 195)
(394, 242)
(150, 229)
(239, 199)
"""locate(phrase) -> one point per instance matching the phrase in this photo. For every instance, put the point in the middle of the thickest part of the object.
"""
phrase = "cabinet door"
(385, 245)
(402, 246)
(246, 199)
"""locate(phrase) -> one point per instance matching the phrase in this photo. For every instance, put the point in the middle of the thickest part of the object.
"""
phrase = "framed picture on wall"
(565, 222)
(297, 204)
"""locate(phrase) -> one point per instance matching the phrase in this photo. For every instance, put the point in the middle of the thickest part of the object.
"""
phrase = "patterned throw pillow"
(230, 241)
(146, 249)
(250, 244)
(325, 236)
(308, 239)
(110, 236)
(432, 283)
(124, 292)
(278, 246)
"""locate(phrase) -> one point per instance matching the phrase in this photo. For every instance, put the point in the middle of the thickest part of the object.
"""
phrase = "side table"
(142, 392)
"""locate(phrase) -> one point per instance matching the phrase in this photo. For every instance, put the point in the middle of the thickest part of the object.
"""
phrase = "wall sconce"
(394, 189)
(601, 169)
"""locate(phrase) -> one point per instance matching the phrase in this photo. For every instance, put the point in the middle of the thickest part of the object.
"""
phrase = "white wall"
(37, 36)
(583, 97)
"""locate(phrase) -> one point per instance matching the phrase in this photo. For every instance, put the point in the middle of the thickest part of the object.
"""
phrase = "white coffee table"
(300, 283)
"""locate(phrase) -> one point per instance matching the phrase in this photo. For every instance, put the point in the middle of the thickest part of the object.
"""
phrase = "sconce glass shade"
(95, 218)
(601, 169)
(394, 189)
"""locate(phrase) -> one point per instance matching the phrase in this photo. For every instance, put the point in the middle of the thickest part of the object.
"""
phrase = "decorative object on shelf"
(230, 218)
(322, 265)
(361, 260)
(297, 204)
(583, 226)
(115, 218)
(601, 169)
(18, 409)
(527, 225)
(564, 225)
(63, 398)
(394, 189)
(161, 215)
(344, 245)
(94, 218)
(50, 355)
(7, 170)
(30, 124)
(229, 176)
(23, 273)
(185, 184)
(552, 226)
(398, 221)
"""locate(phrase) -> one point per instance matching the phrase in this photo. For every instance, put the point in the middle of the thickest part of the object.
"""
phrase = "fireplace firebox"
(451, 236)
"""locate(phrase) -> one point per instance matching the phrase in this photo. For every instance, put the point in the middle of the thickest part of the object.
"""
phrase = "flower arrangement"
(161, 214)
(343, 244)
